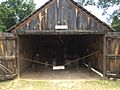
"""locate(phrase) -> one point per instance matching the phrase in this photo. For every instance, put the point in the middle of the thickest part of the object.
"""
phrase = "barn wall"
(62, 12)
(7, 54)
(113, 53)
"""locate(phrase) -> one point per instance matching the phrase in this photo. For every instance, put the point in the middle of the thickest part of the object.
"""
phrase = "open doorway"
(40, 53)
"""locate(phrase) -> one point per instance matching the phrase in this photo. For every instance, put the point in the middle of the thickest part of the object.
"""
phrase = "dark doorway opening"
(57, 50)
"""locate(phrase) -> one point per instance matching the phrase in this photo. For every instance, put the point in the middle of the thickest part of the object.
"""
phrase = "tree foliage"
(86, 2)
(22, 7)
(13, 11)
(7, 18)
(105, 5)
(116, 23)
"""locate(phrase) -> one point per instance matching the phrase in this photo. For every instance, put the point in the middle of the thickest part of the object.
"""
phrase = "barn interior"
(38, 54)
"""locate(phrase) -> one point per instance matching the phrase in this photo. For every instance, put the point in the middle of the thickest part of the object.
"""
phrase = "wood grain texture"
(62, 12)
(7, 54)
(113, 52)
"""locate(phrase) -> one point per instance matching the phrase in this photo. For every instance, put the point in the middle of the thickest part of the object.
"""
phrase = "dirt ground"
(67, 74)
(69, 79)
(59, 85)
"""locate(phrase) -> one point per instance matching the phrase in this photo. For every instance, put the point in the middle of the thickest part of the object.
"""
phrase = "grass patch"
(59, 85)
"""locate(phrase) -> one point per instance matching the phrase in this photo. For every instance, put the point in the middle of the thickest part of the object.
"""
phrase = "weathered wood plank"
(18, 59)
(51, 17)
(104, 57)
(62, 12)
(39, 22)
(7, 53)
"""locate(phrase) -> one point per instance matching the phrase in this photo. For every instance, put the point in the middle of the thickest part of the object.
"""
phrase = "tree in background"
(7, 18)
(13, 11)
(116, 23)
(105, 5)
(86, 2)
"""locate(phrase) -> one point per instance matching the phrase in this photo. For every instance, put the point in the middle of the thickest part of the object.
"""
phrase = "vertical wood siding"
(62, 12)
(7, 54)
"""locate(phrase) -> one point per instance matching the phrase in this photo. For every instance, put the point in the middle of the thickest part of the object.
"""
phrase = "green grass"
(59, 85)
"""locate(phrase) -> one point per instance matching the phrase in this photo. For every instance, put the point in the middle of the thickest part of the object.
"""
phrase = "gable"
(61, 12)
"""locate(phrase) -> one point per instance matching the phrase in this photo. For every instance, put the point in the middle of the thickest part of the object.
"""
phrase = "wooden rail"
(7, 57)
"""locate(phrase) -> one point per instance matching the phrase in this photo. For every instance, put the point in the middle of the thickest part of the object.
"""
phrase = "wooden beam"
(39, 21)
(18, 60)
(7, 57)
(112, 55)
(57, 32)
(104, 57)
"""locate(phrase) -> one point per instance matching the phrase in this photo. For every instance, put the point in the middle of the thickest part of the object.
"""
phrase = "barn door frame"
(8, 60)
(111, 59)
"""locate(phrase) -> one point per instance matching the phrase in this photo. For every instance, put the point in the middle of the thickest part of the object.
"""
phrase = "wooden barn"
(59, 35)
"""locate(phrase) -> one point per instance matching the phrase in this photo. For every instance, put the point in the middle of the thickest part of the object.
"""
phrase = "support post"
(16, 69)
(104, 57)
(18, 60)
